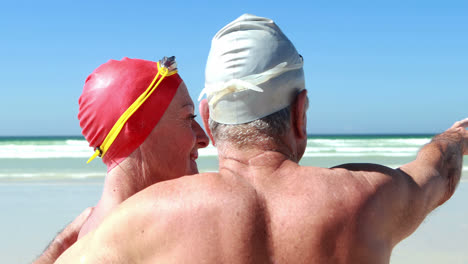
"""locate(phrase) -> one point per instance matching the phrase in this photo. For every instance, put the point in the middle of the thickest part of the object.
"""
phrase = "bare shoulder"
(390, 204)
(343, 193)
(388, 186)
(185, 217)
(341, 183)
(187, 194)
(173, 220)
(369, 204)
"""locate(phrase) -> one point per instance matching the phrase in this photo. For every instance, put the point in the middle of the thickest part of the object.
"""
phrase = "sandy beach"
(34, 211)
(442, 237)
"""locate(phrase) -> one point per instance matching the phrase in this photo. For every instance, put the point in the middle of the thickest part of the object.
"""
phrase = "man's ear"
(205, 115)
(299, 118)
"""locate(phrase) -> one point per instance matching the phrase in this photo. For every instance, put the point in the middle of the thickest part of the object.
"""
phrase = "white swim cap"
(253, 70)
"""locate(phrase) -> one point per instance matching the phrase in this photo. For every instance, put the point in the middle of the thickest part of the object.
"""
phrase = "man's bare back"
(271, 210)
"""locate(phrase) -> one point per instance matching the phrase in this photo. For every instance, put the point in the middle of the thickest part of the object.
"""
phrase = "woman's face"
(171, 150)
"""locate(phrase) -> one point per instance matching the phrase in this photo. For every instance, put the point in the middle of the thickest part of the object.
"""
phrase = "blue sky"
(370, 66)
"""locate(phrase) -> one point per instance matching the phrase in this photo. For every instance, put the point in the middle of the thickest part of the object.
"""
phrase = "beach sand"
(442, 237)
(33, 211)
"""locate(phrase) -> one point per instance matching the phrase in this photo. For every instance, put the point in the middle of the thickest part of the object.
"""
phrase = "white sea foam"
(380, 150)
(52, 175)
(72, 150)
(363, 149)
(368, 142)
(76, 142)
(61, 149)
(209, 151)
(325, 147)
(355, 147)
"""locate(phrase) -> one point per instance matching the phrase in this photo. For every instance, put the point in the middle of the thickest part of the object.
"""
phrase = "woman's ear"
(205, 115)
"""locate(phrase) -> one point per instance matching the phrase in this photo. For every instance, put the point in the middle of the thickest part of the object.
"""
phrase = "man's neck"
(252, 160)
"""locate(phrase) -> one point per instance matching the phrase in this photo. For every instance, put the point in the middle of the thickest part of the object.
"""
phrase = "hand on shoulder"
(64, 239)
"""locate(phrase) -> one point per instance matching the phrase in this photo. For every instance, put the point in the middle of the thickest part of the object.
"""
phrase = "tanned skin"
(262, 207)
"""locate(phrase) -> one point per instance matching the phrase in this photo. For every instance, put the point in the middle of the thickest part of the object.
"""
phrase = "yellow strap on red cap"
(163, 71)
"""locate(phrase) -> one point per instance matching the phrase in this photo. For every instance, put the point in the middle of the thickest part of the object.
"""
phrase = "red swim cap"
(107, 94)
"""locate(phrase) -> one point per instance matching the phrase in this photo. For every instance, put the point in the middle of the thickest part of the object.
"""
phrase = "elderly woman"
(139, 118)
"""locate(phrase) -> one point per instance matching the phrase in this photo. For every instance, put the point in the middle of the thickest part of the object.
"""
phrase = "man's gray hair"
(262, 131)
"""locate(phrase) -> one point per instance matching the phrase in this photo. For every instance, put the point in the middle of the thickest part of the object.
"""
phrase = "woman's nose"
(202, 138)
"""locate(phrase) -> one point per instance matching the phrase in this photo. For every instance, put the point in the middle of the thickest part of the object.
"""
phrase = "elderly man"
(139, 117)
(262, 207)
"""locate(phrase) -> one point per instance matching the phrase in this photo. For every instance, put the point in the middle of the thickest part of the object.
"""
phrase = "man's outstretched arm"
(398, 200)
(434, 175)
(436, 172)
(64, 239)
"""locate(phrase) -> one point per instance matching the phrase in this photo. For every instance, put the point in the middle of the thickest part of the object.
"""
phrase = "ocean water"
(52, 158)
